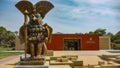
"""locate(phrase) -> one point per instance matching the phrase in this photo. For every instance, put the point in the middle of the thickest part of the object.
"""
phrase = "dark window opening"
(72, 44)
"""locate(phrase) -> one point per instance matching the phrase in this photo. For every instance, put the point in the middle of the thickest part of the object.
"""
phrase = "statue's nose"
(34, 18)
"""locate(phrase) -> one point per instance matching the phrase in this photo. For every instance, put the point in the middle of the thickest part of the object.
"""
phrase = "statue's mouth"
(34, 20)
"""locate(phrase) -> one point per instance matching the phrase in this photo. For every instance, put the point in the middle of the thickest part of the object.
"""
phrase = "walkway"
(88, 57)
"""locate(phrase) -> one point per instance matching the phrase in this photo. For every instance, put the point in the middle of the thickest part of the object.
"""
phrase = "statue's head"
(35, 17)
(41, 8)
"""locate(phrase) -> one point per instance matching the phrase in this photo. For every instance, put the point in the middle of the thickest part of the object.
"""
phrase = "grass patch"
(117, 46)
(5, 48)
(8, 54)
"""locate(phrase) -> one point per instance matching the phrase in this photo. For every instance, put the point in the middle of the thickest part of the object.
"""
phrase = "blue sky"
(68, 16)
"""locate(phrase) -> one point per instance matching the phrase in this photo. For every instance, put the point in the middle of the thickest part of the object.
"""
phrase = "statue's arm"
(49, 31)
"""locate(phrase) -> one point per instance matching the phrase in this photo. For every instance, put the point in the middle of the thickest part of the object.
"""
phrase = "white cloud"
(93, 1)
(104, 11)
(84, 11)
(98, 1)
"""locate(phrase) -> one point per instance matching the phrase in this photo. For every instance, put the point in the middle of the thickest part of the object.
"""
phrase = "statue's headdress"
(42, 7)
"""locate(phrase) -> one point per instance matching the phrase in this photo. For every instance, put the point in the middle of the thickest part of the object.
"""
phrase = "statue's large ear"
(24, 5)
(43, 7)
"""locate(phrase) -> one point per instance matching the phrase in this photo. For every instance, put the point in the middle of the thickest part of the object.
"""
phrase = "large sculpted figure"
(33, 32)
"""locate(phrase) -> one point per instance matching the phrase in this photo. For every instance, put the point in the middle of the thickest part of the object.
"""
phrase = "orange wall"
(88, 42)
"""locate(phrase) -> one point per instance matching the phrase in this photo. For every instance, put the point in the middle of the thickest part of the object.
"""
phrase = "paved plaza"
(88, 57)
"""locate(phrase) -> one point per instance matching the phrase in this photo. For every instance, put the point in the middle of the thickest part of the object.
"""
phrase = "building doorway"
(72, 44)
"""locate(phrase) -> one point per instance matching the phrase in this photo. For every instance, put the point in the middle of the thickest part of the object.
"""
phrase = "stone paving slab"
(6, 66)
(31, 66)
(59, 66)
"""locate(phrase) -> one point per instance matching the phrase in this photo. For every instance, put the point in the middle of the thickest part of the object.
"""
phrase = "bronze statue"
(34, 33)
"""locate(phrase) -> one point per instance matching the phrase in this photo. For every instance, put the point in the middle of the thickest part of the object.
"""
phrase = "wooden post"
(25, 24)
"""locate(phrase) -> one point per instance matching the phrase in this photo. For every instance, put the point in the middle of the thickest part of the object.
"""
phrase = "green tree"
(59, 33)
(7, 38)
(91, 33)
(117, 37)
(111, 36)
(100, 32)
(2, 35)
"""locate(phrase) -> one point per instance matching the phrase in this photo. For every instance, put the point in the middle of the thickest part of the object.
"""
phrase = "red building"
(73, 42)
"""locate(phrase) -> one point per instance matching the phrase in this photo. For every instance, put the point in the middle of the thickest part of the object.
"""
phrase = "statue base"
(32, 61)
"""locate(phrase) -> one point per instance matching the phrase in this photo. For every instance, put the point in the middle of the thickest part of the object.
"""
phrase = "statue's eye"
(38, 16)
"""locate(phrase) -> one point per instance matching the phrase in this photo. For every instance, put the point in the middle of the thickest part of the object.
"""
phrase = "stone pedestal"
(31, 63)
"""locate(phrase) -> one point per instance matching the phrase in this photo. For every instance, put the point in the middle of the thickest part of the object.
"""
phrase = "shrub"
(117, 41)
